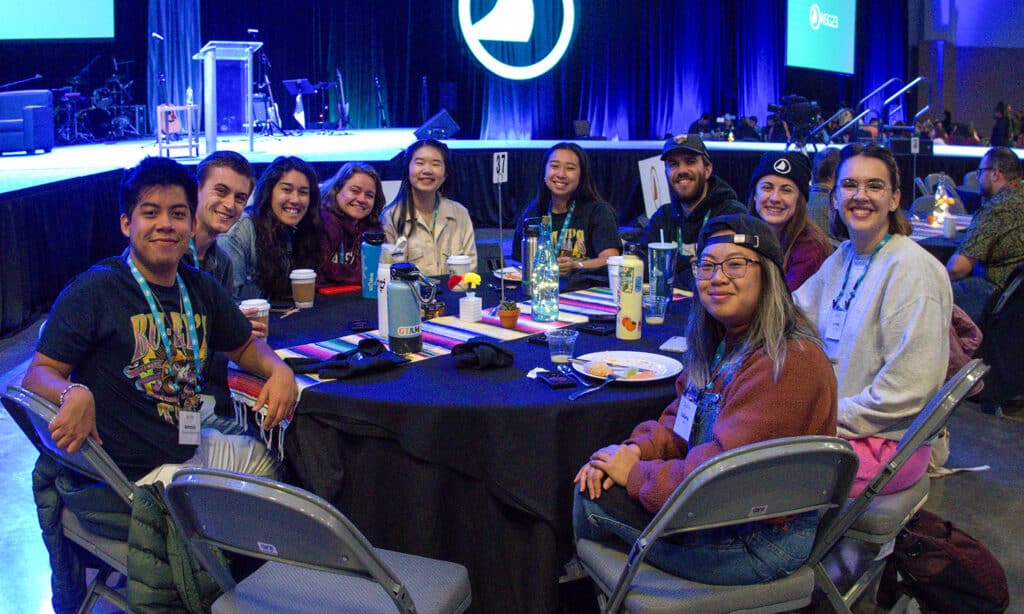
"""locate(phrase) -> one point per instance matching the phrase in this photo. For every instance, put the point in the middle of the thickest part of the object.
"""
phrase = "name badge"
(836, 322)
(189, 425)
(685, 415)
(689, 249)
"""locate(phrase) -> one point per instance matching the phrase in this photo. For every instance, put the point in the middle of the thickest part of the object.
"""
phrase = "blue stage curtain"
(761, 52)
(178, 22)
(881, 48)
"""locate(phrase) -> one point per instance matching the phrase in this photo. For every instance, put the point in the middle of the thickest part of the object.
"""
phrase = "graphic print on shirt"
(148, 366)
(574, 244)
(342, 255)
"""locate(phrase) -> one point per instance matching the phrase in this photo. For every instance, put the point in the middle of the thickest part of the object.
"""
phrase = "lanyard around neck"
(433, 220)
(846, 279)
(565, 225)
(195, 254)
(716, 365)
(679, 233)
(161, 327)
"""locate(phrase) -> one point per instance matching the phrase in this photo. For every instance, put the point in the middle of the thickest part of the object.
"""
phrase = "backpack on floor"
(944, 569)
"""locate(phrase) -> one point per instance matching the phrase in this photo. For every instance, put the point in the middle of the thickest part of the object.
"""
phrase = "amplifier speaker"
(440, 126)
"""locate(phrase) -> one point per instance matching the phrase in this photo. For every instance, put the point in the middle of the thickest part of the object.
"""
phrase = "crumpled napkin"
(369, 356)
(478, 353)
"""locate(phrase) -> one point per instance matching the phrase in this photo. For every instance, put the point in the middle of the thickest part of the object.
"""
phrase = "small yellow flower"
(471, 279)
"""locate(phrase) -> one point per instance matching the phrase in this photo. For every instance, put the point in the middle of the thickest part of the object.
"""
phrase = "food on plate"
(598, 368)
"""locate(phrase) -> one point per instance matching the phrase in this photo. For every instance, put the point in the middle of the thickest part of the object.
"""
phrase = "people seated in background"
(819, 200)
(994, 243)
(778, 195)
(776, 130)
(755, 371)
(279, 232)
(128, 344)
(702, 125)
(883, 306)
(225, 183)
(697, 195)
(747, 129)
(351, 202)
(583, 225)
(434, 226)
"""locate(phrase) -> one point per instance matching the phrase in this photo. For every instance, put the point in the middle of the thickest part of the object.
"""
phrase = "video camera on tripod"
(800, 114)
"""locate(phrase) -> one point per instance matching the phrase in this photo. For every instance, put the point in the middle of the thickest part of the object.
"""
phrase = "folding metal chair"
(853, 550)
(761, 481)
(318, 561)
(33, 414)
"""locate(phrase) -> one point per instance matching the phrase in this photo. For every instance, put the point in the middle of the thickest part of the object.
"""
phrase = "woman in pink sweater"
(755, 371)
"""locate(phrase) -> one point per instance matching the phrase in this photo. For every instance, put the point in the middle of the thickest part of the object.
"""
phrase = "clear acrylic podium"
(227, 89)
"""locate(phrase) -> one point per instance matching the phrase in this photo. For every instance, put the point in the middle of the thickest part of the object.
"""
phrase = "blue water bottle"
(369, 259)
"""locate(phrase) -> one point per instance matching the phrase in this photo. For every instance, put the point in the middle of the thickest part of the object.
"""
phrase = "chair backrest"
(922, 189)
(928, 424)
(971, 179)
(282, 523)
(760, 481)
(923, 206)
(33, 415)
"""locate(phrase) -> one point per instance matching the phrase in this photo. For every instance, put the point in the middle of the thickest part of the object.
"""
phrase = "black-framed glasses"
(734, 268)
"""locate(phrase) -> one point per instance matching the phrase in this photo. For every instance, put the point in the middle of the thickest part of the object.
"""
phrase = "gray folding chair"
(761, 481)
(923, 206)
(33, 414)
(318, 561)
(848, 555)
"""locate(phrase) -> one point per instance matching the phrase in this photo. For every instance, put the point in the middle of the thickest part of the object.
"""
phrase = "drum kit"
(105, 115)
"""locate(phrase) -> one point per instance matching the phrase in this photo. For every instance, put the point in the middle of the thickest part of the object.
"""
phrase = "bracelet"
(64, 393)
(579, 264)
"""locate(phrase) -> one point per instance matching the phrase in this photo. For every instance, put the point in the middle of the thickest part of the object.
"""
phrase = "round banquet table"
(472, 466)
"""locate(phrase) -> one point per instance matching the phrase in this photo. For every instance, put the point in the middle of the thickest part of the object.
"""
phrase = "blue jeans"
(741, 554)
(972, 295)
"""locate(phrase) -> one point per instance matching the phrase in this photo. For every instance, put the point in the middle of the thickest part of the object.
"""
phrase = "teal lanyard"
(836, 301)
(716, 365)
(195, 255)
(679, 233)
(161, 327)
(433, 220)
(565, 226)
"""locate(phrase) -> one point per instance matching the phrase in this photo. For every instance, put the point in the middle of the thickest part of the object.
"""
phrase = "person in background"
(994, 242)
(583, 225)
(696, 195)
(279, 232)
(434, 226)
(755, 371)
(819, 200)
(883, 306)
(702, 125)
(1001, 128)
(778, 195)
(747, 129)
(352, 201)
(225, 183)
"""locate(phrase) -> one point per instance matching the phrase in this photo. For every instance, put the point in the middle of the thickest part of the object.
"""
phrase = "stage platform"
(58, 211)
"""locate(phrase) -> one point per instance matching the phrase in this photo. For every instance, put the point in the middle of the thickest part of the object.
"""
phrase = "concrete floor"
(989, 505)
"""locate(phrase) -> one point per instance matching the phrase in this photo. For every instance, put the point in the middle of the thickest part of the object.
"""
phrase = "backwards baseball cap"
(684, 142)
(792, 165)
(751, 232)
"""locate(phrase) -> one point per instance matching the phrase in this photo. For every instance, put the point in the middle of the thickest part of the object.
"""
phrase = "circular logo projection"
(512, 21)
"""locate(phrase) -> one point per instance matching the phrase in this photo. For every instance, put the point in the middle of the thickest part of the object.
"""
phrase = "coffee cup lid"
(661, 245)
(614, 260)
(458, 259)
(302, 274)
(254, 303)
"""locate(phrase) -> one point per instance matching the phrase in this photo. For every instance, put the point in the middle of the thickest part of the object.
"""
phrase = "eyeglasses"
(734, 268)
(982, 169)
(873, 187)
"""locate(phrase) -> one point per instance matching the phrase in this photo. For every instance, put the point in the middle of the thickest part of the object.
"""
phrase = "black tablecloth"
(941, 247)
(470, 466)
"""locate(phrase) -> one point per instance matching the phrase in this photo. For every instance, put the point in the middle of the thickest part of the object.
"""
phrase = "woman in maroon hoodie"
(352, 201)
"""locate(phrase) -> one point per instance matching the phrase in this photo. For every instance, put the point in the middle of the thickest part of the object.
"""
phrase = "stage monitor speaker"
(259, 107)
(440, 126)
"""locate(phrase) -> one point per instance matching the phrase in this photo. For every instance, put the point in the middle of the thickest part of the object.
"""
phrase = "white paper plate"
(509, 273)
(662, 366)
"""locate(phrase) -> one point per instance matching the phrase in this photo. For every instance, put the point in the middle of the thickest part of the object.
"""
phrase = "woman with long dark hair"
(883, 306)
(755, 371)
(778, 195)
(583, 225)
(279, 232)
(434, 226)
(352, 201)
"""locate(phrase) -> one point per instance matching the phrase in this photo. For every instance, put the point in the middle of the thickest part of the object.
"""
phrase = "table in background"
(470, 466)
(932, 239)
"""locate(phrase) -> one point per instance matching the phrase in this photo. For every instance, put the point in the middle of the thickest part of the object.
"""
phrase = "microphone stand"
(382, 116)
(19, 82)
